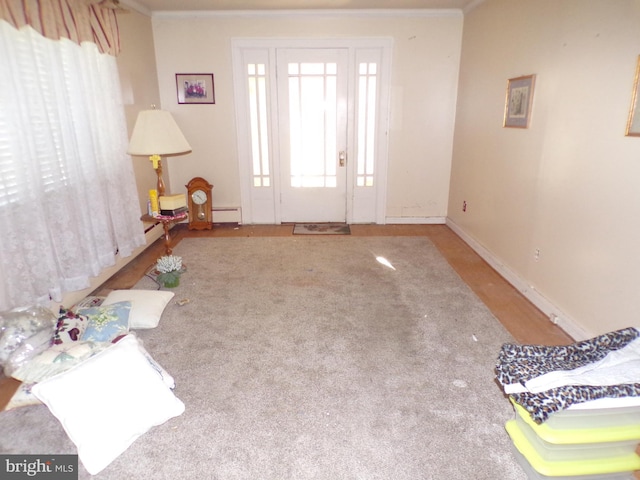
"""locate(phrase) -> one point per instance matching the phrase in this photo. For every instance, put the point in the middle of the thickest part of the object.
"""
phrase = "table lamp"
(156, 134)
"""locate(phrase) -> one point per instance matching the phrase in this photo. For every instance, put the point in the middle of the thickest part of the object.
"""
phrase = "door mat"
(321, 229)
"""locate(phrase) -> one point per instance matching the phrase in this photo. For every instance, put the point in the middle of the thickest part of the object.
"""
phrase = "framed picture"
(517, 108)
(195, 88)
(633, 123)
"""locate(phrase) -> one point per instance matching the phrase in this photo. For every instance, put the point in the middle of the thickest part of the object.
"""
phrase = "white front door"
(304, 108)
(312, 111)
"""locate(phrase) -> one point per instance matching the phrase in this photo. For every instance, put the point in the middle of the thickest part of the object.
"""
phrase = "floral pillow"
(57, 359)
(70, 327)
(106, 322)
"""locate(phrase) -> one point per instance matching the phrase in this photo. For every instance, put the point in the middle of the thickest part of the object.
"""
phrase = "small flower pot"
(169, 280)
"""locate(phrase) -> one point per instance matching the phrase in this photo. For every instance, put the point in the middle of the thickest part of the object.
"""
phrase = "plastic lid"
(590, 466)
(618, 433)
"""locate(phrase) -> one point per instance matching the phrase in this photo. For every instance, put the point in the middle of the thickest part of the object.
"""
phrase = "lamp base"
(157, 165)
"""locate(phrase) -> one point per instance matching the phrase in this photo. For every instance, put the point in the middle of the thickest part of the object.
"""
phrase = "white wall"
(424, 83)
(568, 185)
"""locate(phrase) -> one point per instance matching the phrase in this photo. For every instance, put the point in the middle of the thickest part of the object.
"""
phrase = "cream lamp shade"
(157, 134)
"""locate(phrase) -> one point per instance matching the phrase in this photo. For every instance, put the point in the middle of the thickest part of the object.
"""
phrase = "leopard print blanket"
(520, 363)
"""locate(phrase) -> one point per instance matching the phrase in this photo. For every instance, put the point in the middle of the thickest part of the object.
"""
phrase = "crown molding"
(315, 13)
(132, 4)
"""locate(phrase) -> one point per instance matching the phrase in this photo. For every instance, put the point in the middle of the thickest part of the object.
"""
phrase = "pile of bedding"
(548, 379)
(88, 359)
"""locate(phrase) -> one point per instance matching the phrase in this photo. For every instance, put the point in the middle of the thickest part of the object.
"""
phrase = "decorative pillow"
(106, 322)
(108, 401)
(70, 327)
(146, 305)
(57, 359)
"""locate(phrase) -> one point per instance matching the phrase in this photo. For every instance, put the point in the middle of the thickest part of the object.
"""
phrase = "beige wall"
(568, 185)
(424, 76)
(139, 79)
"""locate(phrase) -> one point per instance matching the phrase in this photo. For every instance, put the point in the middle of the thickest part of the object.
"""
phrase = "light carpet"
(306, 358)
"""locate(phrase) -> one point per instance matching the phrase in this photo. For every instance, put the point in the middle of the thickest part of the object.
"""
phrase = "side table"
(166, 221)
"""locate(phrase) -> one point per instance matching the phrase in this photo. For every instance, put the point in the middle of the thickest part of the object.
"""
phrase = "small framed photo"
(195, 88)
(633, 123)
(517, 109)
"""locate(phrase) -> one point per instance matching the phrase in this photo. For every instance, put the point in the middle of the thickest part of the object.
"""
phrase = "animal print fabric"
(541, 405)
(520, 363)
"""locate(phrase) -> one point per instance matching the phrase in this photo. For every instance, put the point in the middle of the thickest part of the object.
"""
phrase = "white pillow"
(146, 305)
(108, 401)
(164, 375)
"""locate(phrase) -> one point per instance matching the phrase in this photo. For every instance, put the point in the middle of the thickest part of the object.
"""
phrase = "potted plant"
(169, 268)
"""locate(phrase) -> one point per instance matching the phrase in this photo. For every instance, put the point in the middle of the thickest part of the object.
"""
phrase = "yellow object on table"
(173, 202)
(153, 198)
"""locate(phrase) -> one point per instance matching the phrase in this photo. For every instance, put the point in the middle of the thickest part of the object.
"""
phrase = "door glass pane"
(312, 68)
(313, 124)
(256, 76)
(366, 95)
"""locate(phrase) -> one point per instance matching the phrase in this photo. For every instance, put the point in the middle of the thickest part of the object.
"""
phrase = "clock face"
(199, 197)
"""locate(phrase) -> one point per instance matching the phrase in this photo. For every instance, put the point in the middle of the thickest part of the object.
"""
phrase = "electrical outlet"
(536, 254)
(464, 205)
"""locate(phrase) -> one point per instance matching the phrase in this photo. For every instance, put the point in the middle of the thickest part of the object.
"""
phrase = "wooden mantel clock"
(199, 194)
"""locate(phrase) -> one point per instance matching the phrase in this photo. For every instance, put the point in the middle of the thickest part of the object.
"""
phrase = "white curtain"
(68, 200)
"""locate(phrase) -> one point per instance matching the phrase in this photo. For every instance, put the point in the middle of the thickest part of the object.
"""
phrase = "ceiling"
(152, 6)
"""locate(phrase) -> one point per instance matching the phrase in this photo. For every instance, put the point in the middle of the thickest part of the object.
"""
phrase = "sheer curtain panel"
(68, 199)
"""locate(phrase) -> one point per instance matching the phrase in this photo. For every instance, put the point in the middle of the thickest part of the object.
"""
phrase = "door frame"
(262, 205)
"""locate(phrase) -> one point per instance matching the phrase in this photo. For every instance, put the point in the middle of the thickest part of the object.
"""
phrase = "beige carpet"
(307, 358)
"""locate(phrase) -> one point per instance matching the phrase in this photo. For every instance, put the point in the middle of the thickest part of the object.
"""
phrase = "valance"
(78, 20)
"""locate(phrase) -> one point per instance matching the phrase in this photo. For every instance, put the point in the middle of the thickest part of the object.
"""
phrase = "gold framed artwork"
(517, 108)
(633, 122)
(195, 88)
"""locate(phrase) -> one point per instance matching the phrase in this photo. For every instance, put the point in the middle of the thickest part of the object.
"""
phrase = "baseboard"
(415, 220)
(227, 215)
(555, 314)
